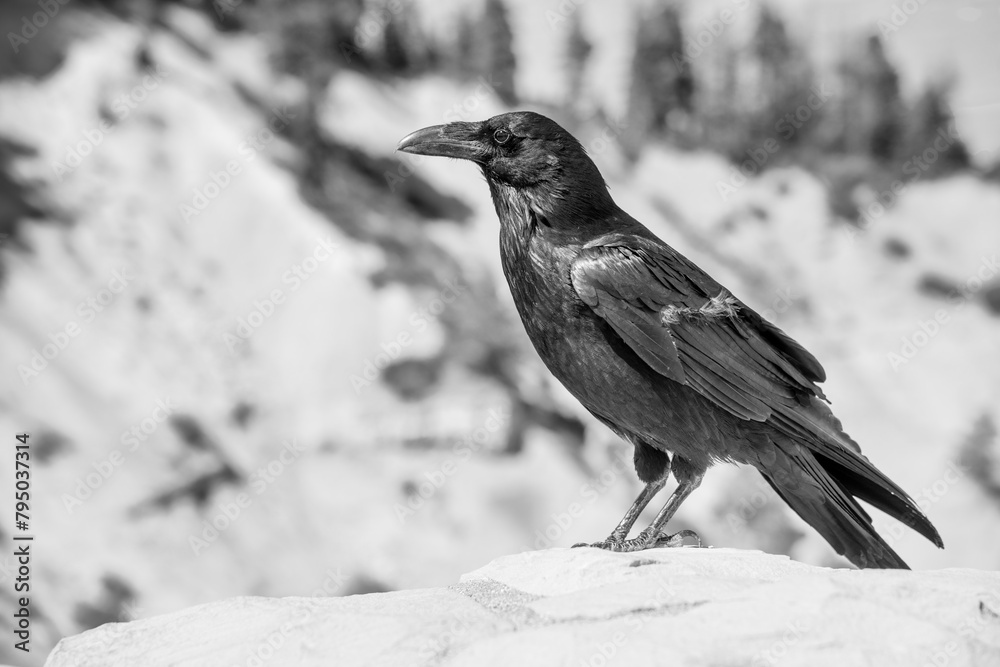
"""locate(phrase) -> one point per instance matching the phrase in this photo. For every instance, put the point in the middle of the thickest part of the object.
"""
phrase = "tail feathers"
(825, 504)
(867, 488)
(853, 473)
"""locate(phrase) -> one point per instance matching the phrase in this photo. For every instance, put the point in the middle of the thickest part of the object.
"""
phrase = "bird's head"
(521, 150)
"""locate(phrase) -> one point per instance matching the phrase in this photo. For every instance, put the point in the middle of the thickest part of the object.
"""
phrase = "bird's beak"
(457, 140)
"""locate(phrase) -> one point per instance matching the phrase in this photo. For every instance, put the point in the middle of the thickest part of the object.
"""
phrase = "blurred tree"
(932, 136)
(871, 114)
(772, 48)
(497, 41)
(483, 47)
(578, 49)
(979, 455)
(396, 53)
(778, 103)
(388, 39)
(873, 138)
(662, 84)
(465, 46)
(229, 15)
(992, 172)
(312, 38)
(717, 112)
(406, 48)
(758, 98)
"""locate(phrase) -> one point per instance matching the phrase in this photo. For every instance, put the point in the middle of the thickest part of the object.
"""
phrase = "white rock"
(588, 607)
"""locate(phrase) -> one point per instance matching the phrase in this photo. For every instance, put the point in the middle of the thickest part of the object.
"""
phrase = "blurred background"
(260, 353)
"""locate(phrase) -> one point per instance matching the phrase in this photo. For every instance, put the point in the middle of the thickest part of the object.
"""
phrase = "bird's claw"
(644, 540)
(675, 540)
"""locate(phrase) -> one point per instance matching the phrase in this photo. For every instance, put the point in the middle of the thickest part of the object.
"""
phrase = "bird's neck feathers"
(570, 206)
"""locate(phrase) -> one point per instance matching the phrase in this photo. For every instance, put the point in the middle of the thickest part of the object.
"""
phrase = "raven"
(666, 357)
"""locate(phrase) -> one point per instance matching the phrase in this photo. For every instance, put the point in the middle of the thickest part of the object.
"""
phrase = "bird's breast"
(567, 334)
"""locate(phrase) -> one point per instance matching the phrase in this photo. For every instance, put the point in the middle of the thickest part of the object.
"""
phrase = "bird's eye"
(501, 136)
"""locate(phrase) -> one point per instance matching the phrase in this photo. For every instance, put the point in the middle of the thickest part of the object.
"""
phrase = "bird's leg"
(654, 535)
(688, 479)
(621, 531)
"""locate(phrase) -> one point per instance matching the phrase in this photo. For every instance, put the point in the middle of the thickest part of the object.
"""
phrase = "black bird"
(657, 350)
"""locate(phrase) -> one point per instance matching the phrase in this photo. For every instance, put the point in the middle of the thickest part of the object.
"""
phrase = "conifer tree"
(499, 63)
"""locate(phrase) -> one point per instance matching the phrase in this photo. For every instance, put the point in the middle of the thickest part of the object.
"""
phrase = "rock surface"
(574, 607)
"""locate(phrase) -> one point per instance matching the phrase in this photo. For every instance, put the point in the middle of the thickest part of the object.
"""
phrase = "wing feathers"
(689, 329)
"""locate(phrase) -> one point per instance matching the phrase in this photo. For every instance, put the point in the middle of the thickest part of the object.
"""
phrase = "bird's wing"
(690, 329)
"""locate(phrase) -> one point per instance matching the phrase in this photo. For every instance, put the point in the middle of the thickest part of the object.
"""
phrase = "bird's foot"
(644, 540)
(675, 540)
(612, 543)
